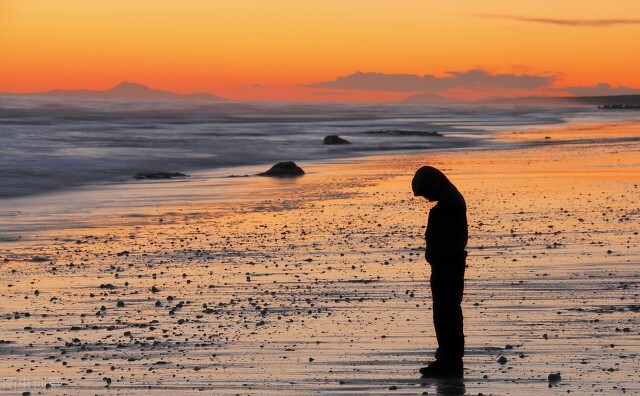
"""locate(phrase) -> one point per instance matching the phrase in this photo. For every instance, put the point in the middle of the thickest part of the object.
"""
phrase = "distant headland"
(126, 90)
(603, 102)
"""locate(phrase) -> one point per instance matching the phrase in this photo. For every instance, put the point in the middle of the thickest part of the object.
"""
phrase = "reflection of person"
(446, 238)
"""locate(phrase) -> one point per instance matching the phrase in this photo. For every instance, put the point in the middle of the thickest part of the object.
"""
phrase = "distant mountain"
(429, 98)
(129, 90)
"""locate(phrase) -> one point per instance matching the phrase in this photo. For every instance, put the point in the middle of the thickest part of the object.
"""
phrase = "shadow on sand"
(452, 386)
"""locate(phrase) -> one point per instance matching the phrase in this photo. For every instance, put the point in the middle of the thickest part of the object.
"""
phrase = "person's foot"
(440, 369)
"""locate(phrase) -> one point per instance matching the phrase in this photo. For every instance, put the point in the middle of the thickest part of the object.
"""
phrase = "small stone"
(502, 360)
(554, 377)
(120, 304)
(40, 259)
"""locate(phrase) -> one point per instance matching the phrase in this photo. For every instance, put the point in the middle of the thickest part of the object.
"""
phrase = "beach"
(252, 285)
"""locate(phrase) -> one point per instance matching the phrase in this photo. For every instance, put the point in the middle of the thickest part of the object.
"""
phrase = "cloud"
(566, 22)
(601, 89)
(472, 79)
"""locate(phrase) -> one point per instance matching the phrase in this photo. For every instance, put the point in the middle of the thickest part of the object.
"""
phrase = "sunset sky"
(312, 50)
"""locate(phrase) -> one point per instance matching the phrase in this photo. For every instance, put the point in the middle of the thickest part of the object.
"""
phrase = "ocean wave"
(55, 143)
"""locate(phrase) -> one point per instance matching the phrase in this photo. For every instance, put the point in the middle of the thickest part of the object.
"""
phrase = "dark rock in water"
(284, 169)
(398, 132)
(335, 139)
(158, 175)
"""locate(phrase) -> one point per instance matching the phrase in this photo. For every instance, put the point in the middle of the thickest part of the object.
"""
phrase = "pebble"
(554, 377)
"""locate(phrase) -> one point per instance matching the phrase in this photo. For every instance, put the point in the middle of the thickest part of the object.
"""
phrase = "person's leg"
(447, 287)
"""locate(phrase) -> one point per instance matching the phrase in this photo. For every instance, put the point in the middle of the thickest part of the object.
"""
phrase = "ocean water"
(55, 143)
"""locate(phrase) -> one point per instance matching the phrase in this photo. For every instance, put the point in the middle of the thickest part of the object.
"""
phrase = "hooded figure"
(446, 238)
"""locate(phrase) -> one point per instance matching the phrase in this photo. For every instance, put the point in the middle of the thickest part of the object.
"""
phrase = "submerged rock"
(158, 175)
(284, 169)
(335, 139)
(399, 132)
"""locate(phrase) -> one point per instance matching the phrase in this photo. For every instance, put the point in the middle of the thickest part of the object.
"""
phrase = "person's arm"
(446, 234)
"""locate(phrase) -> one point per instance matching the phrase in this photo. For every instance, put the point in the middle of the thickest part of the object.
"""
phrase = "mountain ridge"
(431, 98)
(127, 90)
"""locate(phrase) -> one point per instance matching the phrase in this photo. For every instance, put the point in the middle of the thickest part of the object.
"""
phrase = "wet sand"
(318, 285)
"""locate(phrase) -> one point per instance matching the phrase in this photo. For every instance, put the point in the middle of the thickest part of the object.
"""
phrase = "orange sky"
(273, 49)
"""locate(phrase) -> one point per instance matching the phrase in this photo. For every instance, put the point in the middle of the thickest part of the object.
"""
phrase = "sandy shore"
(318, 285)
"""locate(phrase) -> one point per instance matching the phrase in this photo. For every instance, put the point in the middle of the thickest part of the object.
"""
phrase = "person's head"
(430, 183)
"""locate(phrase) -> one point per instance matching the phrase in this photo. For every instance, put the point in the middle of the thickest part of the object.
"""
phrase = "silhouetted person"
(446, 238)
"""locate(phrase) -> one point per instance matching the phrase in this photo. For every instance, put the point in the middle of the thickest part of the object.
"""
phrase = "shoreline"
(318, 285)
(129, 202)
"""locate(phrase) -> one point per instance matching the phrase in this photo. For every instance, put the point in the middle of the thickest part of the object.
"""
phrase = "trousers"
(447, 287)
